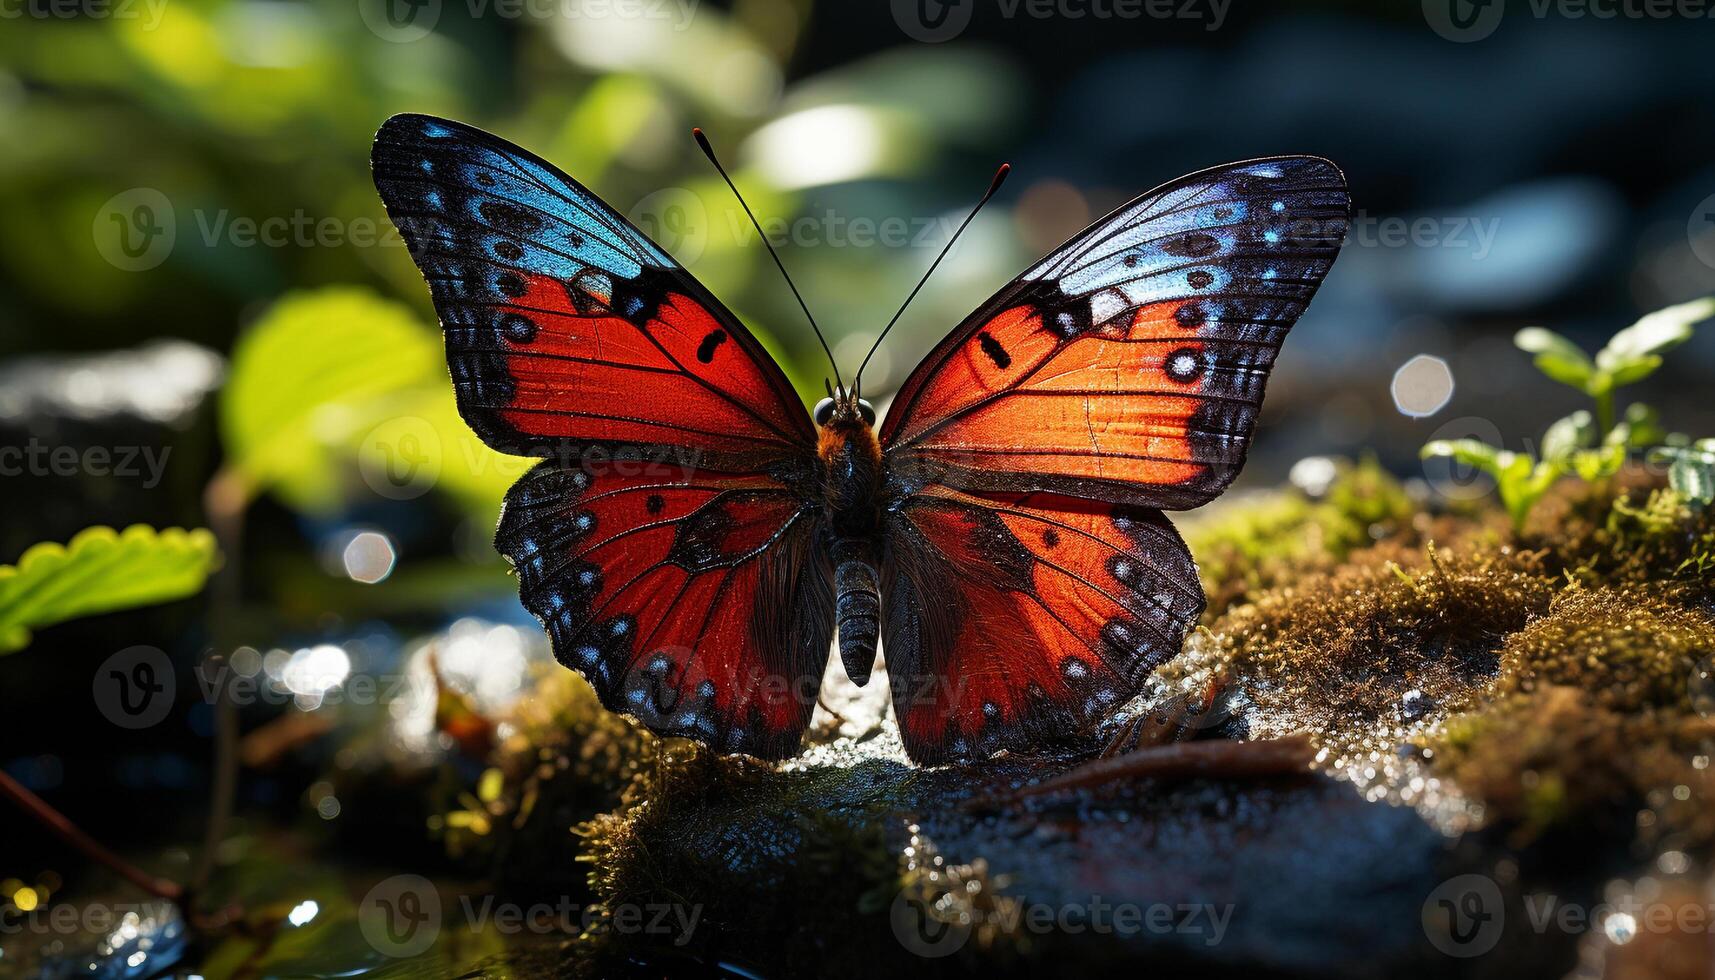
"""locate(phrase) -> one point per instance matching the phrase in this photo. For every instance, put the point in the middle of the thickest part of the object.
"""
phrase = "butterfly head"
(843, 409)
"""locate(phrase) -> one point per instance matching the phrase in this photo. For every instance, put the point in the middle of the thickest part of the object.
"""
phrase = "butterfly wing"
(566, 325)
(666, 541)
(692, 601)
(1030, 583)
(1129, 365)
(1012, 620)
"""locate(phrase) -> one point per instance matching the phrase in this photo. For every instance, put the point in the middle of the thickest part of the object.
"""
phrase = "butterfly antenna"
(709, 151)
(994, 185)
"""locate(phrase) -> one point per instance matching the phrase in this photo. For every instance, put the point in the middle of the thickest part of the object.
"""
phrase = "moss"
(1546, 676)
(1557, 759)
(561, 758)
(750, 847)
(1592, 719)
(1252, 545)
(963, 896)
(1632, 649)
(1628, 530)
(1342, 649)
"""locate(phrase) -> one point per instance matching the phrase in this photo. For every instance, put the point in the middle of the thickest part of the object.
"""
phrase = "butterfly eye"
(867, 410)
(824, 412)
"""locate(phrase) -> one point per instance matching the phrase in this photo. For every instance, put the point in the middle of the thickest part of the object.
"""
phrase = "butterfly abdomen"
(857, 608)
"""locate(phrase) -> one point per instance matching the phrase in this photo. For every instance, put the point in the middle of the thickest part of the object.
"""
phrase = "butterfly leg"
(1173, 720)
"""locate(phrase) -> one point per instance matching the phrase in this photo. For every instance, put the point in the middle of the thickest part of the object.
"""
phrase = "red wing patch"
(679, 379)
(1012, 622)
(1114, 405)
(1129, 365)
(693, 603)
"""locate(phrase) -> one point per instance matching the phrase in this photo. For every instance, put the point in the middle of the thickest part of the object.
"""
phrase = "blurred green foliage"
(252, 120)
(199, 169)
(308, 397)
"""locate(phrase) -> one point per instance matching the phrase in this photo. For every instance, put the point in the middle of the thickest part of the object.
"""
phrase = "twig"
(224, 500)
(69, 832)
(1287, 756)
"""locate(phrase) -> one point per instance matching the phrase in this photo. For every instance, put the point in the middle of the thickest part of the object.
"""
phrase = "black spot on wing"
(994, 350)
(706, 350)
(510, 217)
(1193, 246)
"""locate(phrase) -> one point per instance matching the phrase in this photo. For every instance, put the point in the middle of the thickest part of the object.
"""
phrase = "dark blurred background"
(190, 243)
(1539, 166)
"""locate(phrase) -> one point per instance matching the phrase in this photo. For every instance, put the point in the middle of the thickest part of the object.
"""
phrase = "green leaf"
(1692, 478)
(1630, 371)
(316, 373)
(1471, 452)
(1655, 333)
(1567, 436)
(1523, 482)
(101, 570)
(1556, 356)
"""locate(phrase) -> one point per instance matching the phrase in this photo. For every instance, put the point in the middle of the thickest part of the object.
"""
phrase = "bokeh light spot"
(369, 557)
(1422, 386)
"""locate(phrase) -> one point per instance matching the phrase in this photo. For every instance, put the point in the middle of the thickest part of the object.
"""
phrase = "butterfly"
(693, 540)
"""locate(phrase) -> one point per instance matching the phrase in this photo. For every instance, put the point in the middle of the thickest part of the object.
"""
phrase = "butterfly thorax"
(851, 474)
(851, 479)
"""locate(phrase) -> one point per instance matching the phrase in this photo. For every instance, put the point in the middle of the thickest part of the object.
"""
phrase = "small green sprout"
(1519, 477)
(1630, 356)
(1594, 446)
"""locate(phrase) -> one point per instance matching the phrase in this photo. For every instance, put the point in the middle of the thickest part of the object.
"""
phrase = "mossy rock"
(1482, 700)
